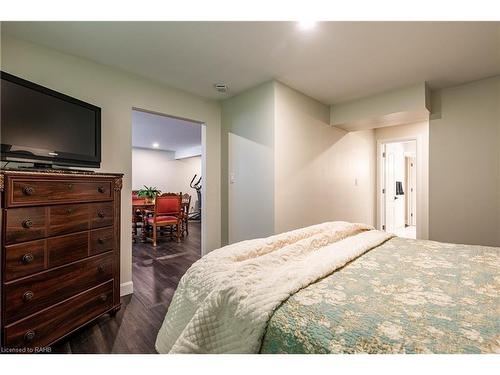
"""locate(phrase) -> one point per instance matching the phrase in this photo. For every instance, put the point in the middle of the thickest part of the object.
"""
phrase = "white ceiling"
(170, 133)
(334, 62)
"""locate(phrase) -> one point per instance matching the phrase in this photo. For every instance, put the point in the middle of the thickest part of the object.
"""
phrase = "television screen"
(41, 125)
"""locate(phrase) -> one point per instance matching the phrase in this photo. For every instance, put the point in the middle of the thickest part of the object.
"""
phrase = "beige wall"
(420, 132)
(465, 163)
(298, 170)
(161, 169)
(401, 106)
(321, 173)
(248, 164)
(117, 93)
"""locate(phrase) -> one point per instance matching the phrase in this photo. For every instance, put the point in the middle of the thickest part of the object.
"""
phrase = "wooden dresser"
(60, 253)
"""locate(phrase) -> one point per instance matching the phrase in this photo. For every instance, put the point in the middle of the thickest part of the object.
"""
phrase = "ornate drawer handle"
(69, 211)
(28, 190)
(28, 296)
(100, 214)
(100, 240)
(28, 258)
(100, 189)
(27, 223)
(100, 269)
(29, 335)
(70, 186)
(103, 297)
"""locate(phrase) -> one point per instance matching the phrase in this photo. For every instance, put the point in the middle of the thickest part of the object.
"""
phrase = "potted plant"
(149, 193)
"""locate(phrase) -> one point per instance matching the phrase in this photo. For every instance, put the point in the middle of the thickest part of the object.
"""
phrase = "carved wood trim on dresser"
(60, 253)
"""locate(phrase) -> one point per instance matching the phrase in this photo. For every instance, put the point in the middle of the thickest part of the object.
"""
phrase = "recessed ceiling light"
(307, 25)
(156, 145)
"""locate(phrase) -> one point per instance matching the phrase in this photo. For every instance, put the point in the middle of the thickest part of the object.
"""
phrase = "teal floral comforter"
(405, 296)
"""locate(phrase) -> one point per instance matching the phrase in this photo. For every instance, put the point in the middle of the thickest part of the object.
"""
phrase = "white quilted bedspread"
(224, 301)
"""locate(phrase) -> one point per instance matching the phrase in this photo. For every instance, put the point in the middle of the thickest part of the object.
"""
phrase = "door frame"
(380, 195)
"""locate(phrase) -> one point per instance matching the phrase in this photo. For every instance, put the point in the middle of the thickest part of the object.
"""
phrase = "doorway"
(167, 153)
(168, 167)
(398, 193)
(168, 158)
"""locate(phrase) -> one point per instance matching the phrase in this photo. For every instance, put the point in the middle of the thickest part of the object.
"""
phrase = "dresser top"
(56, 172)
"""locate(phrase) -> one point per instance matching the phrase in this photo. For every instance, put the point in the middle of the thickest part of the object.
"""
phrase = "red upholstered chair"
(168, 213)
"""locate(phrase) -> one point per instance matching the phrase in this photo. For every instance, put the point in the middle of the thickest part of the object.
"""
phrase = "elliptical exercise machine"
(197, 186)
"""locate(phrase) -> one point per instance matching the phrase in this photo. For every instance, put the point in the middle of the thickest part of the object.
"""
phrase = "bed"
(337, 288)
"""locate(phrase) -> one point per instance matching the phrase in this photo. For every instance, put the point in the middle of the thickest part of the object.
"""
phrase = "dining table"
(145, 208)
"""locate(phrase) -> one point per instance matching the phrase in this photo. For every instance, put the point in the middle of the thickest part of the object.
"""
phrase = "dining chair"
(167, 213)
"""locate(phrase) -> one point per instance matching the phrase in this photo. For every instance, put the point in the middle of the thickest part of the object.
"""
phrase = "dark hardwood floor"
(156, 273)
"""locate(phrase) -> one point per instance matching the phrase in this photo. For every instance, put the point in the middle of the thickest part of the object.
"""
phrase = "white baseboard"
(126, 288)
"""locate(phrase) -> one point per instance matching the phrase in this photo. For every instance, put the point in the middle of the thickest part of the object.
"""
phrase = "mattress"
(405, 296)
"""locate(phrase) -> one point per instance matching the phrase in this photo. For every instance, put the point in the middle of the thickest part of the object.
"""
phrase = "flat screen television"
(46, 127)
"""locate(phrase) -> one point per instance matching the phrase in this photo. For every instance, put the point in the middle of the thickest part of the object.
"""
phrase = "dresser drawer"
(39, 191)
(24, 224)
(101, 240)
(44, 328)
(24, 259)
(68, 248)
(68, 218)
(31, 294)
(101, 214)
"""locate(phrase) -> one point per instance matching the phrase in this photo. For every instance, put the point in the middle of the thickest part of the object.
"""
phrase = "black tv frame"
(63, 159)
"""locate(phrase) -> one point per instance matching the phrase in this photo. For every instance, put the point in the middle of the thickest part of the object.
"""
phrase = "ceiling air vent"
(221, 87)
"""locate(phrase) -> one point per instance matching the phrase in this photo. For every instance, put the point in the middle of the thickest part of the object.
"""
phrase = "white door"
(390, 189)
(394, 174)
(250, 179)
(412, 191)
